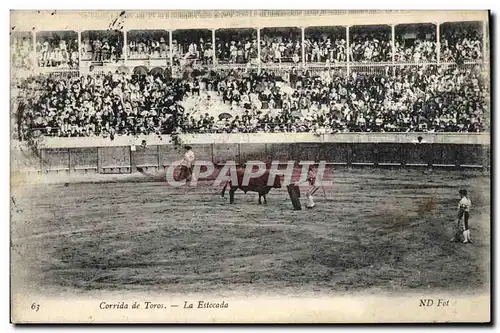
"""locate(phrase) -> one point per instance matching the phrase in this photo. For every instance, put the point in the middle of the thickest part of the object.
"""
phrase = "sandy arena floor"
(375, 231)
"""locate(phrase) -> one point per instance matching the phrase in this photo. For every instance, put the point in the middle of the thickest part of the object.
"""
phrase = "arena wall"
(125, 154)
(261, 138)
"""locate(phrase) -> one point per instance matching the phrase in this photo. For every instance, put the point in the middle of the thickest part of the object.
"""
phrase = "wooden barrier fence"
(126, 159)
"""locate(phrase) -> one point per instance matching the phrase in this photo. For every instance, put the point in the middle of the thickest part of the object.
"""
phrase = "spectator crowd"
(102, 47)
(415, 99)
(234, 50)
(461, 45)
(104, 105)
(445, 98)
(188, 49)
(330, 49)
(145, 47)
(371, 47)
(420, 49)
(458, 44)
(424, 98)
(57, 52)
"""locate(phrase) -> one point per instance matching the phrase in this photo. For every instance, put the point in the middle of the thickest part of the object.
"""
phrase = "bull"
(258, 184)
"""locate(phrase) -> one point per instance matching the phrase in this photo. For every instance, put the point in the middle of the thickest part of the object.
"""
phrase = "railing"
(341, 68)
(355, 137)
(54, 132)
(62, 73)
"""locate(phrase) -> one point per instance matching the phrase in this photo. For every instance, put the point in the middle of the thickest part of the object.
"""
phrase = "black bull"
(258, 184)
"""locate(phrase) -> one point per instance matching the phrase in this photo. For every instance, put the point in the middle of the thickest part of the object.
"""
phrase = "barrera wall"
(124, 154)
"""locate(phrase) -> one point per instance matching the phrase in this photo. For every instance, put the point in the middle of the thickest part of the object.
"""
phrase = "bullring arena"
(91, 211)
(376, 229)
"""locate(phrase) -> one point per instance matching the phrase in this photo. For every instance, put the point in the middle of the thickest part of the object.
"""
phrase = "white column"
(348, 49)
(485, 41)
(438, 40)
(393, 51)
(258, 46)
(35, 60)
(79, 47)
(170, 48)
(303, 46)
(393, 45)
(214, 55)
(125, 46)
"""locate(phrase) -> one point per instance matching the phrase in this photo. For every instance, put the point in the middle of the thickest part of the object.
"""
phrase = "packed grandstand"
(320, 79)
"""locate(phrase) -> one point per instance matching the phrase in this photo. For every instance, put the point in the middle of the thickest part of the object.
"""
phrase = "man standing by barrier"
(187, 165)
(294, 191)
